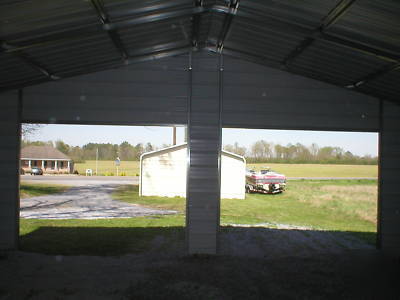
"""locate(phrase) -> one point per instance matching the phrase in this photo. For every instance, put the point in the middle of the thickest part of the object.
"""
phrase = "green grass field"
(318, 170)
(34, 190)
(343, 205)
(340, 205)
(107, 167)
(131, 168)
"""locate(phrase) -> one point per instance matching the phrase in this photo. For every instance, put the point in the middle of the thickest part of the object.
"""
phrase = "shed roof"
(350, 43)
(184, 146)
(42, 152)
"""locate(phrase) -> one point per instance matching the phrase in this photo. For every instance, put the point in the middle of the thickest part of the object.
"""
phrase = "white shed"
(163, 173)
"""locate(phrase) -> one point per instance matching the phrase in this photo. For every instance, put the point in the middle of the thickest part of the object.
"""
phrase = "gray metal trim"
(155, 17)
(379, 203)
(18, 150)
(189, 109)
(221, 103)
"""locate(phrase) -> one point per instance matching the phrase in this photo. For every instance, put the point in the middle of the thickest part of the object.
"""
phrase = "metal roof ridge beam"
(196, 24)
(333, 16)
(230, 12)
(104, 19)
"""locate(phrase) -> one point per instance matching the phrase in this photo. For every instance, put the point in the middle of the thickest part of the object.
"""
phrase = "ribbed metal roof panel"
(372, 22)
(22, 20)
(341, 65)
(387, 85)
(14, 71)
(347, 43)
(261, 40)
(307, 12)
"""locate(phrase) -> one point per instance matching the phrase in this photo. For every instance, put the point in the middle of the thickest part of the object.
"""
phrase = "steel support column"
(10, 129)
(389, 168)
(204, 144)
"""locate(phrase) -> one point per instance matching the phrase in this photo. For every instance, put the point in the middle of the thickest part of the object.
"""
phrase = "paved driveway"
(74, 180)
(88, 201)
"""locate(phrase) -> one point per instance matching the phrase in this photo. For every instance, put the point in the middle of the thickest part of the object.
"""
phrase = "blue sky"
(78, 135)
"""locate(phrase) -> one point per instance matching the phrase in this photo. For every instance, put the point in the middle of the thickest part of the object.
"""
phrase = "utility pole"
(174, 136)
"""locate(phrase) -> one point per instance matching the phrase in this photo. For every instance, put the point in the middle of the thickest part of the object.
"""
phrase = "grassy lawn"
(34, 190)
(338, 205)
(317, 170)
(107, 167)
(131, 168)
(98, 237)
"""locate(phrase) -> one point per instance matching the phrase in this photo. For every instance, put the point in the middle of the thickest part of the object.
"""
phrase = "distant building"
(163, 173)
(48, 158)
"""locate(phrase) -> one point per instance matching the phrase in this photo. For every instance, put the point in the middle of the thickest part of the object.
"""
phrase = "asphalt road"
(74, 180)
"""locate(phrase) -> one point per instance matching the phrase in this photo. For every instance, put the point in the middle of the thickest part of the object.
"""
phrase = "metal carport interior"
(353, 45)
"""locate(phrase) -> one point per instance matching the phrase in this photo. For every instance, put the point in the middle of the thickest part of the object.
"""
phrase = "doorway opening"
(304, 191)
(93, 190)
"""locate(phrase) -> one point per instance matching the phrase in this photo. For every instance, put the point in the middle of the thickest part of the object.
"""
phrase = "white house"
(163, 173)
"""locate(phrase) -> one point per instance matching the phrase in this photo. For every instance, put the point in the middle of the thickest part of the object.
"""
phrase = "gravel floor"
(84, 202)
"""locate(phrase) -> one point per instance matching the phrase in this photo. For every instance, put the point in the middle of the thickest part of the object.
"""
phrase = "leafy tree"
(63, 147)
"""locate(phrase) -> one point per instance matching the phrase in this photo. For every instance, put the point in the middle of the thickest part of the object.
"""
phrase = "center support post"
(204, 157)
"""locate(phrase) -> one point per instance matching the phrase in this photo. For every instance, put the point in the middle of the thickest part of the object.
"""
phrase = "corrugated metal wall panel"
(389, 180)
(147, 93)
(203, 194)
(9, 165)
(260, 97)
(157, 93)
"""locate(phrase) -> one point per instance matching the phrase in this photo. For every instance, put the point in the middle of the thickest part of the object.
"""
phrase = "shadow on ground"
(236, 241)
(307, 266)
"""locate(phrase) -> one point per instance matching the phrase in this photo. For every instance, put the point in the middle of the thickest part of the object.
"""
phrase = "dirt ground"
(254, 263)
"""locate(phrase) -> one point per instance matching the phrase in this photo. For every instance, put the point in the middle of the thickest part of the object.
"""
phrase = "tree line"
(262, 152)
(106, 151)
(259, 152)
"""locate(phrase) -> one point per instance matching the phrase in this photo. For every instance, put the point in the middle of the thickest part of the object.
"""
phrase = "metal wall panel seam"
(18, 161)
(220, 106)
(379, 204)
(188, 140)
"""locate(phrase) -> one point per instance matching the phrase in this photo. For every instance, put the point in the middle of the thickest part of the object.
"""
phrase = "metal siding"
(163, 173)
(389, 180)
(204, 139)
(9, 165)
(151, 93)
(260, 97)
